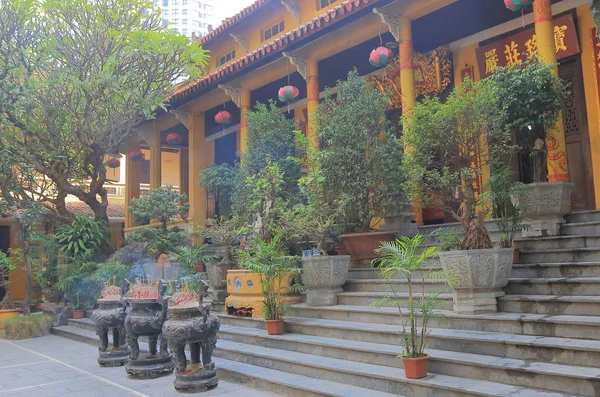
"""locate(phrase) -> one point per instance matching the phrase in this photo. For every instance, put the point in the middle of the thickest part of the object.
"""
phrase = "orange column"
(312, 101)
(243, 133)
(555, 139)
(132, 180)
(196, 160)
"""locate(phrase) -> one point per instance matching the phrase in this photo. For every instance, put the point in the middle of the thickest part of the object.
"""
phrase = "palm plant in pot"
(191, 258)
(450, 143)
(273, 264)
(361, 161)
(531, 97)
(403, 258)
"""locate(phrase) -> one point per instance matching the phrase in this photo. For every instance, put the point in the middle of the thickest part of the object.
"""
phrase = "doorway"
(4, 246)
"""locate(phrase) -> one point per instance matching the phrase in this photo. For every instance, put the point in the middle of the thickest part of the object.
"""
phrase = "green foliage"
(189, 256)
(25, 327)
(447, 238)
(113, 271)
(273, 264)
(83, 234)
(361, 157)
(449, 144)
(164, 205)
(45, 249)
(9, 262)
(161, 240)
(226, 232)
(222, 181)
(402, 258)
(77, 281)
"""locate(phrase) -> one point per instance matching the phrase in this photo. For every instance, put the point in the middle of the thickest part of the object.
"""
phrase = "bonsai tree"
(8, 264)
(361, 157)
(225, 232)
(449, 144)
(402, 258)
(530, 98)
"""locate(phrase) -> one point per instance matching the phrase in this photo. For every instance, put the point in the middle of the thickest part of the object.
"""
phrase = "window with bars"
(273, 31)
(230, 56)
(325, 3)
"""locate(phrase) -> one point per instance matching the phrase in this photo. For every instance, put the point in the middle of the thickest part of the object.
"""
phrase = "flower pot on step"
(480, 276)
(416, 368)
(362, 245)
(275, 327)
(78, 314)
(324, 276)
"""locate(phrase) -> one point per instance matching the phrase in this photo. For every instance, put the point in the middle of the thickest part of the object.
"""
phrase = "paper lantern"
(223, 117)
(288, 93)
(136, 155)
(174, 139)
(113, 163)
(517, 5)
(381, 56)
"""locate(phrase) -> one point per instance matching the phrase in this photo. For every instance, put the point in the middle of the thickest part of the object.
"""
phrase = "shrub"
(25, 327)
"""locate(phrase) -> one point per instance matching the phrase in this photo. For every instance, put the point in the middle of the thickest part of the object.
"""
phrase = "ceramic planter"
(545, 205)
(416, 368)
(110, 316)
(6, 314)
(480, 275)
(362, 245)
(275, 327)
(78, 314)
(324, 276)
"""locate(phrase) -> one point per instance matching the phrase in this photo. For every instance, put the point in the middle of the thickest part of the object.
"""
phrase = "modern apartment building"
(188, 17)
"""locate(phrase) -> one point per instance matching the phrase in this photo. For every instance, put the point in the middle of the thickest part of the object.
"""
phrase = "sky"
(227, 8)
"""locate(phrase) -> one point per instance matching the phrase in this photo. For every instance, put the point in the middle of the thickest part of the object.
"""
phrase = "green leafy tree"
(83, 234)
(78, 76)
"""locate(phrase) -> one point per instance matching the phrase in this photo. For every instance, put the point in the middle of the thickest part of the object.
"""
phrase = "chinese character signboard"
(514, 49)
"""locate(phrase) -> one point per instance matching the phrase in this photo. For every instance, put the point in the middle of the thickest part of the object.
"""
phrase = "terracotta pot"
(416, 368)
(275, 327)
(516, 256)
(38, 305)
(361, 245)
(6, 314)
(200, 267)
(341, 250)
(78, 314)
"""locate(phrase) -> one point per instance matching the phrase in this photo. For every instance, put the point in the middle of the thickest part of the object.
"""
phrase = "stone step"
(398, 285)
(577, 305)
(583, 216)
(368, 298)
(579, 228)
(77, 333)
(574, 241)
(565, 326)
(589, 286)
(370, 376)
(560, 255)
(555, 377)
(557, 269)
(84, 323)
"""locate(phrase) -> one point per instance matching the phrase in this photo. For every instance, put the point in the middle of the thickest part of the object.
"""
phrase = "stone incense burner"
(110, 316)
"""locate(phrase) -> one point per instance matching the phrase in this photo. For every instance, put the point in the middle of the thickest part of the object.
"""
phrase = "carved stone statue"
(145, 317)
(193, 325)
(110, 316)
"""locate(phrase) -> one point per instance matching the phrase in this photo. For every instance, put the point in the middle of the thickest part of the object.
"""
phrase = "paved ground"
(55, 366)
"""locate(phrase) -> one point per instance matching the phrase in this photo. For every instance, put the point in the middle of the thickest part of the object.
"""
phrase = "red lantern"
(381, 56)
(113, 163)
(517, 5)
(288, 93)
(136, 155)
(223, 117)
(174, 139)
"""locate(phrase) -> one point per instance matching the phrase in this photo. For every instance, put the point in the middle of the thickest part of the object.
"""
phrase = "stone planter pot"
(324, 276)
(196, 328)
(217, 277)
(110, 316)
(361, 245)
(545, 205)
(481, 275)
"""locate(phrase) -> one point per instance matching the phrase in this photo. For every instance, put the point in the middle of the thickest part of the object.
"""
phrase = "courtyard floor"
(54, 366)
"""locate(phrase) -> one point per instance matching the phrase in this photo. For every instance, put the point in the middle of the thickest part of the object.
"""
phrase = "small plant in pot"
(402, 258)
(78, 308)
(361, 162)
(449, 144)
(273, 264)
(192, 259)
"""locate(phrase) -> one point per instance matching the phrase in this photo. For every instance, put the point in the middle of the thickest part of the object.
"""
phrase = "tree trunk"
(476, 235)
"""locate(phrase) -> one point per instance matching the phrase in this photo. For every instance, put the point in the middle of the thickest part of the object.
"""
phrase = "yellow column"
(243, 134)
(312, 101)
(155, 160)
(407, 86)
(132, 180)
(555, 139)
(196, 161)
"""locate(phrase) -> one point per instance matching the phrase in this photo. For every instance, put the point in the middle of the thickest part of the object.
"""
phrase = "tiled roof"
(81, 208)
(229, 22)
(313, 26)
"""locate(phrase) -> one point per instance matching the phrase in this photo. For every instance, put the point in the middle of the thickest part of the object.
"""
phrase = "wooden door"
(579, 157)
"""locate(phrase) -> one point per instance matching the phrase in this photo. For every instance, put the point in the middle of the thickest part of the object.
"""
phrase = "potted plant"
(8, 263)
(191, 258)
(78, 311)
(361, 162)
(322, 275)
(402, 258)
(449, 144)
(531, 97)
(271, 261)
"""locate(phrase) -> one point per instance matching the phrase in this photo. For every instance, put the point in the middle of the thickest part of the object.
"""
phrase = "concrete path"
(54, 366)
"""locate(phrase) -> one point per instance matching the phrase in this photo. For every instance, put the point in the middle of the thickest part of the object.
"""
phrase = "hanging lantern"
(517, 5)
(381, 56)
(223, 117)
(113, 163)
(174, 139)
(136, 155)
(288, 93)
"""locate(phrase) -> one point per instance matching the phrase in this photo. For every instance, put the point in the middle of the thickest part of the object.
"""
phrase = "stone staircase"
(544, 342)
